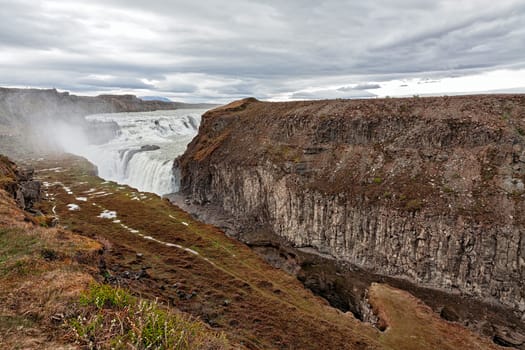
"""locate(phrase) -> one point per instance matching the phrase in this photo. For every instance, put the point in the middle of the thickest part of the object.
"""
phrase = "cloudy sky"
(218, 51)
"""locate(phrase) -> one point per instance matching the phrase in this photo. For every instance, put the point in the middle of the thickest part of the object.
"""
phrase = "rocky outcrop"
(19, 184)
(425, 189)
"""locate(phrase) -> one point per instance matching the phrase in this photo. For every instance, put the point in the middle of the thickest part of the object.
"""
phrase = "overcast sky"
(219, 51)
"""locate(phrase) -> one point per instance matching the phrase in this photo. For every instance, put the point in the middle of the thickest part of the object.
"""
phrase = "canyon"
(424, 190)
(377, 206)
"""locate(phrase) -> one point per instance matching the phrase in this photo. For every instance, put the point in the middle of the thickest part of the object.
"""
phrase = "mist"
(35, 122)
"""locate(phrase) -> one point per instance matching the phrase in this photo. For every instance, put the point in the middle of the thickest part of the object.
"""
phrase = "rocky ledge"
(19, 184)
(430, 190)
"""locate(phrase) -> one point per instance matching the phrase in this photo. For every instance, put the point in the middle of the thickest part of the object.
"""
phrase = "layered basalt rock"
(426, 189)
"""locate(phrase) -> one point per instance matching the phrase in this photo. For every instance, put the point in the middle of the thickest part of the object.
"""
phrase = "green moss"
(377, 180)
(414, 205)
(447, 189)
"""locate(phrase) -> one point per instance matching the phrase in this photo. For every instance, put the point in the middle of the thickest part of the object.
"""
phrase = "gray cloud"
(114, 82)
(273, 49)
(331, 94)
(365, 86)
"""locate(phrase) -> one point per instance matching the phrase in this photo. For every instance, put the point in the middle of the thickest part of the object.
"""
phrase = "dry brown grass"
(412, 325)
(44, 272)
(40, 278)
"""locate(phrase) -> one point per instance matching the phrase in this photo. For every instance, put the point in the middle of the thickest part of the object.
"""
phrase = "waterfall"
(141, 155)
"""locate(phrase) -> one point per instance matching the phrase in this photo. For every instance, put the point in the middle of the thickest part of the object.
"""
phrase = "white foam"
(149, 171)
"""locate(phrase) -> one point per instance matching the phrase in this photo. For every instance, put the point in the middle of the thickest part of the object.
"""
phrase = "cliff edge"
(426, 189)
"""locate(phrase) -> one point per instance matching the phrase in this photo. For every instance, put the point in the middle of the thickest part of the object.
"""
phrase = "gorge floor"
(157, 250)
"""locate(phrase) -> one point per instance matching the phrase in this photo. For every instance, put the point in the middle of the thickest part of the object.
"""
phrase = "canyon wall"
(426, 189)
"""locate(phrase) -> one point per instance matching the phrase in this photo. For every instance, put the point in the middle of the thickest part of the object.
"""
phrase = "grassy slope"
(37, 284)
(43, 274)
(225, 283)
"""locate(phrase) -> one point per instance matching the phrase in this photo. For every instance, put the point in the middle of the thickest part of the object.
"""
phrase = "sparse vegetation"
(112, 318)
(414, 205)
(447, 189)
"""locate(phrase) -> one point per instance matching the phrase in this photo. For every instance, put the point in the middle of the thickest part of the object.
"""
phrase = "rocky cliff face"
(426, 189)
(19, 184)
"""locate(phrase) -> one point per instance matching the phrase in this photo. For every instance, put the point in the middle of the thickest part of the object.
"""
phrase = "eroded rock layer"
(427, 189)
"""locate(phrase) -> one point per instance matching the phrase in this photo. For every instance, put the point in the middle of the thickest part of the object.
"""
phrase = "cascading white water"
(148, 169)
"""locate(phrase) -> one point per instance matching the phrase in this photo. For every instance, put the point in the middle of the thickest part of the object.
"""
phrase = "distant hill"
(29, 105)
(29, 117)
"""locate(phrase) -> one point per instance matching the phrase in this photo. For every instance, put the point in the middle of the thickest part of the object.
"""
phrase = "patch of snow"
(82, 199)
(73, 207)
(97, 193)
(173, 245)
(191, 251)
(185, 223)
(108, 214)
(102, 195)
(50, 169)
